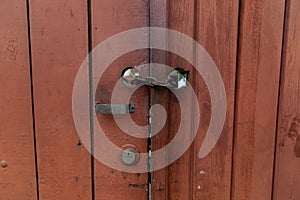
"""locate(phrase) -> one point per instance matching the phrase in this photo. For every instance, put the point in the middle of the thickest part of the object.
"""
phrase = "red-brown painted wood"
(174, 181)
(59, 39)
(287, 171)
(189, 177)
(259, 59)
(17, 162)
(180, 173)
(217, 27)
(109, 18)
(59, 45)
(158, 14)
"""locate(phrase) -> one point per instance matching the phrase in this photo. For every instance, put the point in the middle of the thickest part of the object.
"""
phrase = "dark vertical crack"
(32, 99)
(240, 7)
(285, 29)
(91, 93)
(149, 141)
(193, 78)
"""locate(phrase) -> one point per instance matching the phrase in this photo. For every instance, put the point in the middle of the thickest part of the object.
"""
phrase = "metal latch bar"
(117, 109)
(177, 79)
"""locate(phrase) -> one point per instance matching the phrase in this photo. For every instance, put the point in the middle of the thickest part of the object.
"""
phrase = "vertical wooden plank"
(189, 177)
(287, 171)
(180, 173)
(59, 45)
(159, 178)
(174, 181)
(158, 14)
(17, 162)
(256, 101)
(109, 18)
(217, 24)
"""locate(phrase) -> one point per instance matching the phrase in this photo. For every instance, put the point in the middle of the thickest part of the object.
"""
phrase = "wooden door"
(255, 47)
(62, 34)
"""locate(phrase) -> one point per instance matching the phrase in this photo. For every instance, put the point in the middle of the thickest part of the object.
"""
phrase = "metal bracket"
(117, 109)
(177, 79)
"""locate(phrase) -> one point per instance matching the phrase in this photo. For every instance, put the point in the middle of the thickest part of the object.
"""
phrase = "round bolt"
(128, 157)
(130, 75)
(3, 164)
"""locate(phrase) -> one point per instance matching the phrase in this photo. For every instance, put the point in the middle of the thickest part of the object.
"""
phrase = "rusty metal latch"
(117, 109)
(177, 79)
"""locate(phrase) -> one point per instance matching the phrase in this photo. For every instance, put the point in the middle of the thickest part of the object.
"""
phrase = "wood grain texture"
(259, 60)
(174, 181)
(17, 162)
(59, 40)
(217, 25)
(287, 170)
(59, 45)
(158, 14)
(189, 177)
(181, 17)
(109, 18)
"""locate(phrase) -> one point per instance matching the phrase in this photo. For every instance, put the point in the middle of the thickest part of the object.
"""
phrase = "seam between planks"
(91, 95)
(285, 29)
(32, 98)
(235, 99)
(192, 147)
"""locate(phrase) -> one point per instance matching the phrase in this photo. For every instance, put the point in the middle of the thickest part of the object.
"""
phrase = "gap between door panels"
(158, 17)
(91, 42)
(91, 96)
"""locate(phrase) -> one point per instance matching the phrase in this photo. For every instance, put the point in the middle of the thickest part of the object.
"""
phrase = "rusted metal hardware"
(117, 109)
(177, 79)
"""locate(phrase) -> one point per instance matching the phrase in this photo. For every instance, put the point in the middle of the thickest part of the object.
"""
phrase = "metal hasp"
(177, 79)
(117, 109)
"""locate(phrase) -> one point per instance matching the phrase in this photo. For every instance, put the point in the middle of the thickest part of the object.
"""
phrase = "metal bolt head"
(130, 75)
(128, 157)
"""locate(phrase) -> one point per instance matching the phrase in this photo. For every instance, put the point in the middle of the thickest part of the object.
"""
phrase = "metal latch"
(177, 79)
(117, 109)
